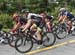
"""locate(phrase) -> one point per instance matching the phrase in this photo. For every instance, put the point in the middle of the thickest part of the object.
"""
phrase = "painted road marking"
(50, 47)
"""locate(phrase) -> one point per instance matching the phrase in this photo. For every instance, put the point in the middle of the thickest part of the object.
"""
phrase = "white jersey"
(32, 14)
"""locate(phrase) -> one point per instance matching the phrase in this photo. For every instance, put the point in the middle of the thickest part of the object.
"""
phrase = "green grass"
(7, 30)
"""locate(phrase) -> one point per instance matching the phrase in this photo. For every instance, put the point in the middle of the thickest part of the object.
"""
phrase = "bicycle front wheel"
(12, 43)
(26, 45)
(61, 33)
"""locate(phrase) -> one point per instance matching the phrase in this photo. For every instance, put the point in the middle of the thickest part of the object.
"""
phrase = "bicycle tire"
(6, 37)
(12, 44)
(26, 39)
(49, 43)
(72, 31)
(60, 31)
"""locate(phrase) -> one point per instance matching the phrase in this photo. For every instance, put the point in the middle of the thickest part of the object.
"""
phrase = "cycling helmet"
(52, 17)
(15, 15)
(24, 11)
(62, 9)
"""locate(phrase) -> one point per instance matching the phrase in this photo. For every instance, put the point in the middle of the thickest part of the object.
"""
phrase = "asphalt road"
(68, 49)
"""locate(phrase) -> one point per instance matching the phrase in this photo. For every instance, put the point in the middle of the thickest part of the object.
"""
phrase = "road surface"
(65, 49)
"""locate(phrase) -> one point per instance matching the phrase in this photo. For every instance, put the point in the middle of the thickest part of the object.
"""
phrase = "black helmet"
(24, 11)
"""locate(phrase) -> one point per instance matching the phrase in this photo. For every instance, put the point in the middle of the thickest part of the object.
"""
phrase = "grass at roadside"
(7, 30)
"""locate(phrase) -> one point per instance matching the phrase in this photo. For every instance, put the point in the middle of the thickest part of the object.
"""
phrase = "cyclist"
(61, 13)
(47, 19)
(33, 22)
(19, 22)
(64, 15)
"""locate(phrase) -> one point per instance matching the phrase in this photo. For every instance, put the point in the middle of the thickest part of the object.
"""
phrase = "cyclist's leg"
(39, 35)
(33, 27)
(38, 32)
(48, 24)
(69, 25)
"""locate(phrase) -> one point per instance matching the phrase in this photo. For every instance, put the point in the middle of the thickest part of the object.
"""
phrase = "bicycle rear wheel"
(6, 37)
(49, 39)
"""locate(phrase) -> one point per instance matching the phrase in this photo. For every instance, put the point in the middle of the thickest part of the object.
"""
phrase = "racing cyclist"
(47, 19)
(64, 15)
(33, 22)
(19, 22)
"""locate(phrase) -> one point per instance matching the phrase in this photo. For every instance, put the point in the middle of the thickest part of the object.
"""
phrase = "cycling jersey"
(32, 14)
(49, 17)
(22, 21)
(68, 14)
(35, 17)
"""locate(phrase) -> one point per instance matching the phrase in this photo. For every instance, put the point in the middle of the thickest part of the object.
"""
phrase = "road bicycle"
(27, 40)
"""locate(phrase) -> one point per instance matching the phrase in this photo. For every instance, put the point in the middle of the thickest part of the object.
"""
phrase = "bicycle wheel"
(49, 39)
(73, 31)
(5, 41)
(6, 37)
(12, 43)
(26, 45)
(61, 32)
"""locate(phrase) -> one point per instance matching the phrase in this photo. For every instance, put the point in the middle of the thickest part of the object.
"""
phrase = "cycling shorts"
(38, 28)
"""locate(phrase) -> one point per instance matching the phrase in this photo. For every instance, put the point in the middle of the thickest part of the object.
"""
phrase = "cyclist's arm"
(16, 26)
(27, 25)
(64, 18)
(60, 19)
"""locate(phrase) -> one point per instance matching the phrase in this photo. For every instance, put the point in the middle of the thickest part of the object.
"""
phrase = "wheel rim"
(49, 39)
(25, 46)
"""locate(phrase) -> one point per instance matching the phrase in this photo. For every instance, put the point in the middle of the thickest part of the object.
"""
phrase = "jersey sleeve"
(29, 16)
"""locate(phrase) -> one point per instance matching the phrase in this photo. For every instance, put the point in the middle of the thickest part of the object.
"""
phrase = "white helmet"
(52, 17)
(62, 9)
